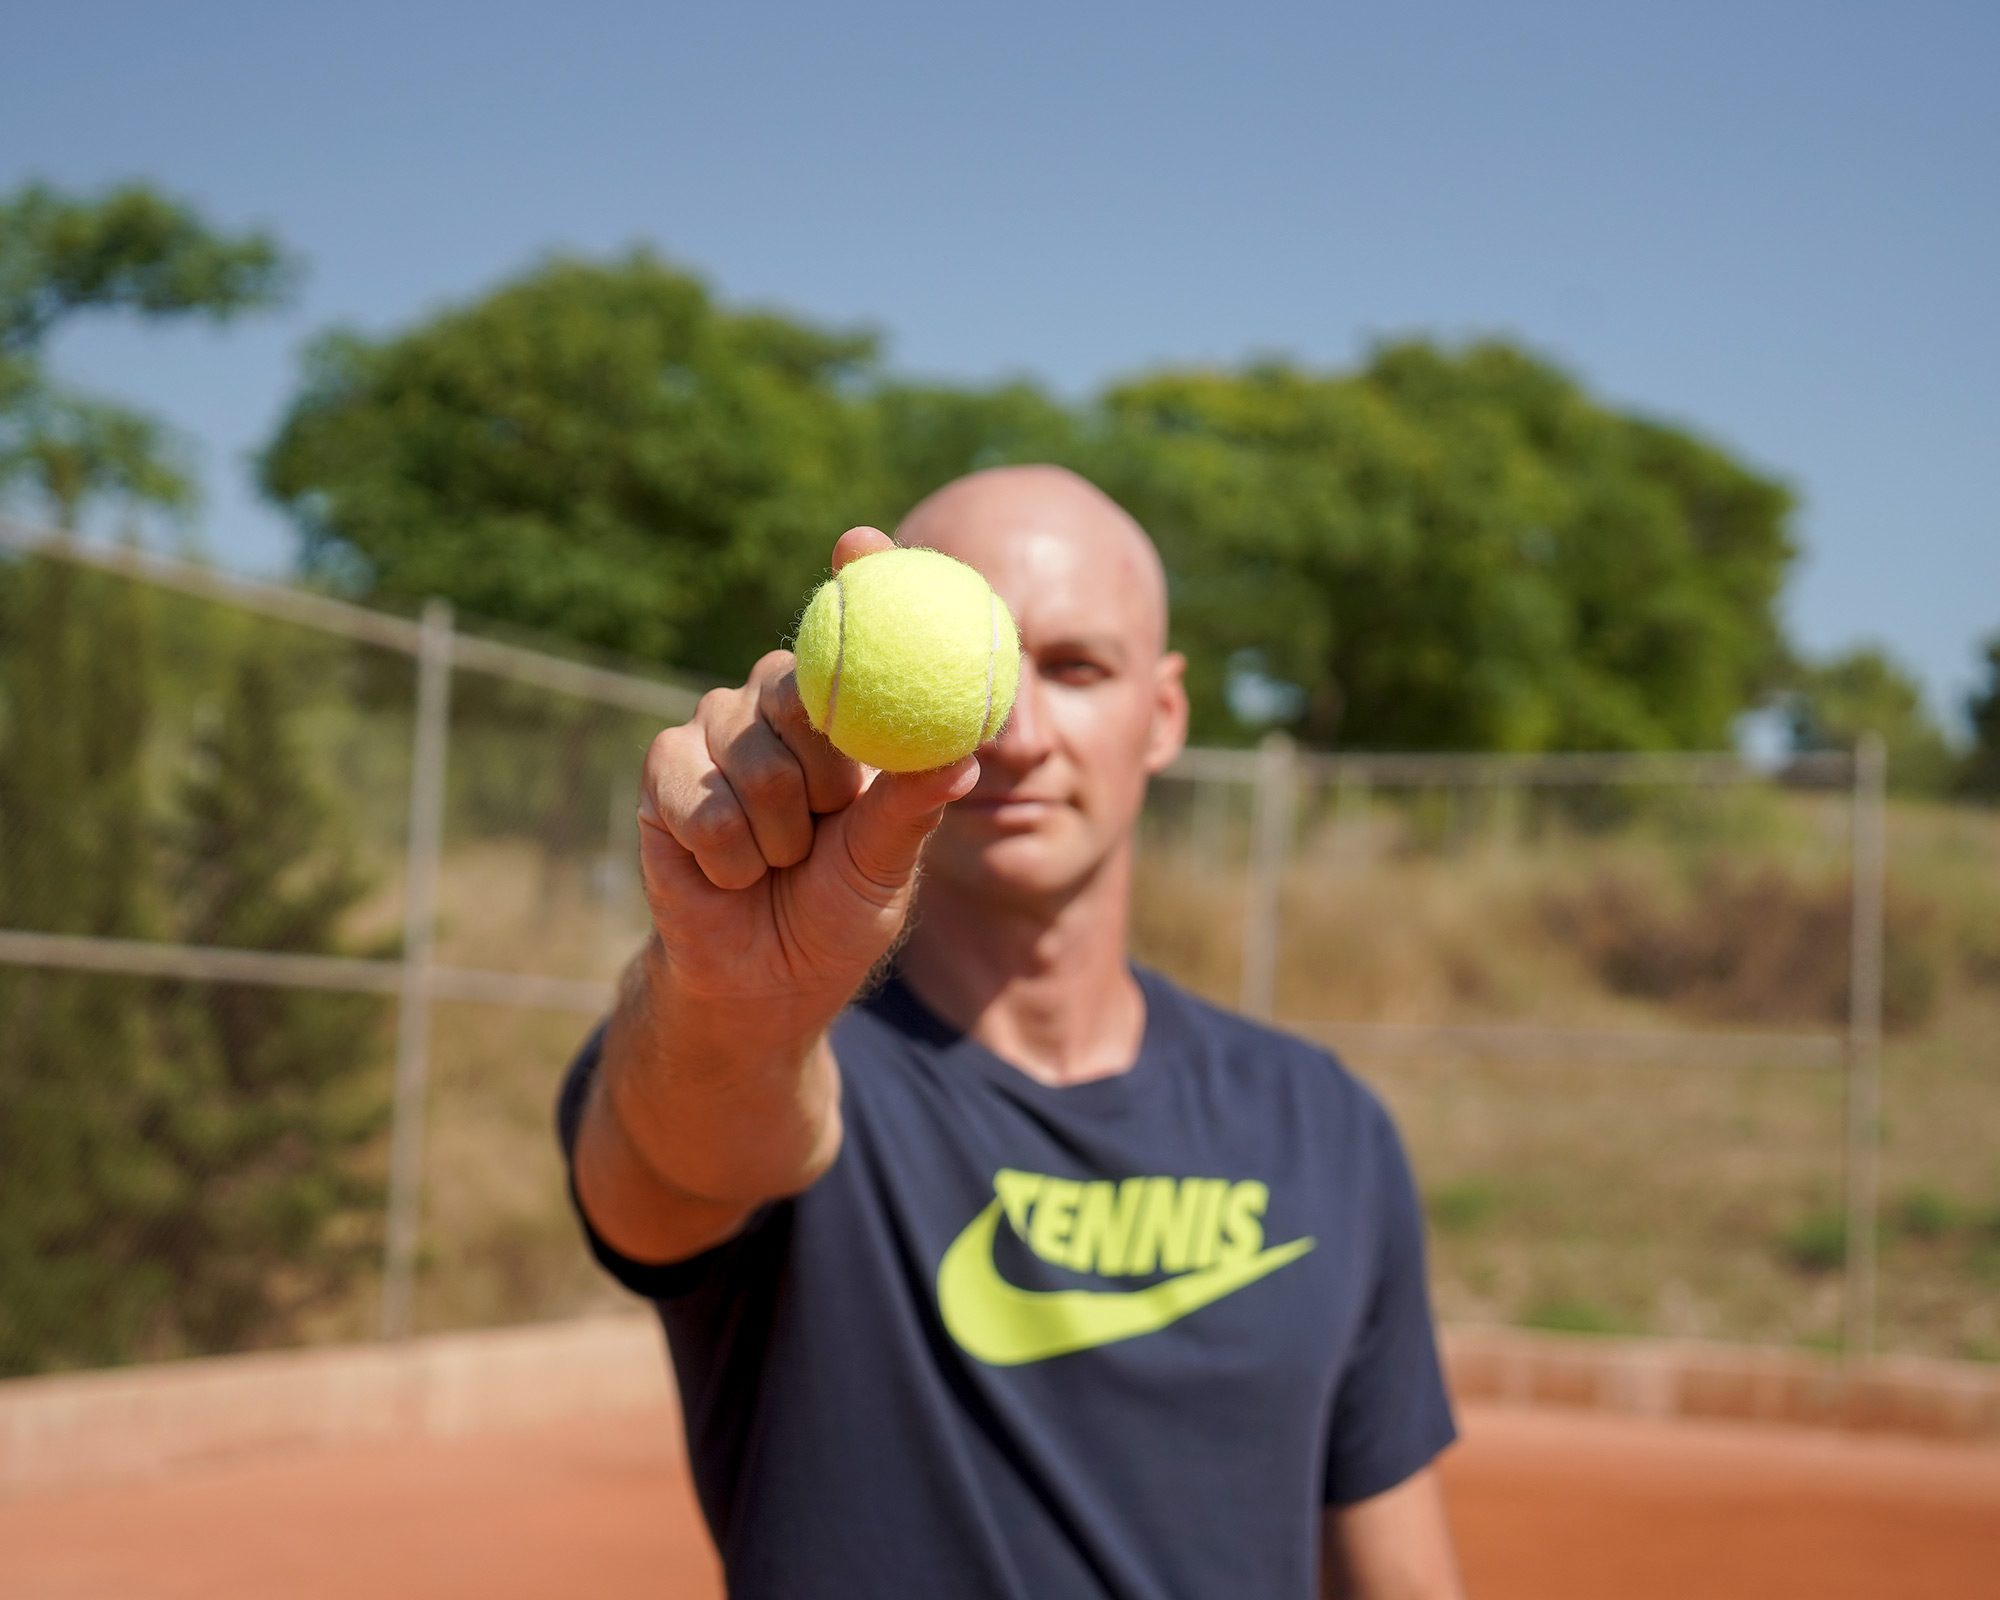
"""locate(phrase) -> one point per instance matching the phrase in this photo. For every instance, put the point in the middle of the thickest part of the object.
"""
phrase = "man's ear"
(1168, 733)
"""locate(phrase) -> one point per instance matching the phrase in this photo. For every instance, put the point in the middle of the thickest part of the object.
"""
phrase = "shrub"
(1461, 1207)
(1742, 943)
(1564, 1315)
(1816, 1243)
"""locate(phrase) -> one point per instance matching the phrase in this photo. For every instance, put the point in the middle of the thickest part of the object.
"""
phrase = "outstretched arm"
(778, 873)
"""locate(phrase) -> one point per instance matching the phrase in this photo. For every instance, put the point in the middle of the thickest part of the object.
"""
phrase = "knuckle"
(717, 826)
(783, 705)
(678, 746)
(770, 781)
(715, 706)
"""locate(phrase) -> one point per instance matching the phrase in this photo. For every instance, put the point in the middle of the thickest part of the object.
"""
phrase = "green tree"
(1445, 549)
(112, 1137)
(1982, 766)
(1455, 550)
(595, 450)
(929, 435)
(275, 1089)
(1834, 702)
(78, 1072)
(130, 249)
(172, 1156)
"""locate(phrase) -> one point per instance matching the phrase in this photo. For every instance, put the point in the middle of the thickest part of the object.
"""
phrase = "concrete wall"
(1687, 1378)
(103, 1427)
(99, 1427)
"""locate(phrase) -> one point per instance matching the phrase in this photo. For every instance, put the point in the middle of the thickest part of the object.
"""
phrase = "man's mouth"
(1008, 810)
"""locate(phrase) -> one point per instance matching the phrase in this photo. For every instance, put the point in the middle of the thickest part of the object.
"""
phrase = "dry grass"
(1693, 1198)
(1687, 1198)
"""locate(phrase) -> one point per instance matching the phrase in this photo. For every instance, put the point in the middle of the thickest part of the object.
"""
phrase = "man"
(1025, 1275)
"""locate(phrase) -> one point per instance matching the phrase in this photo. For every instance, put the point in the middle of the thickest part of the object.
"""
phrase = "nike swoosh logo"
(1005, 1326)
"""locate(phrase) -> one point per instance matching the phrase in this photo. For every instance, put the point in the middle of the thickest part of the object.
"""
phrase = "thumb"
(886, 827)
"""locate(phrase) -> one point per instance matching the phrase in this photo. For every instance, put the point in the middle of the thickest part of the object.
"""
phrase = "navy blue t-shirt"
(1124, 1338)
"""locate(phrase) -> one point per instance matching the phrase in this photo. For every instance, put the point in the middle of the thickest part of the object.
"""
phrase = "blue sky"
(1778, 223)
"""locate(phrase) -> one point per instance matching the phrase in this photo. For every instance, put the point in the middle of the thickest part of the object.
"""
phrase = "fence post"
(1351, 821)
(1208, 829)
(1270, 845)
(413, 1020)
(1864, 1047)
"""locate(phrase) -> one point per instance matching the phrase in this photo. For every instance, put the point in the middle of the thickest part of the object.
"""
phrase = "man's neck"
(1045, 988)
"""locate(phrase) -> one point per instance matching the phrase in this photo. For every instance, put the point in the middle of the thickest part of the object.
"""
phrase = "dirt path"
(1549, 1505)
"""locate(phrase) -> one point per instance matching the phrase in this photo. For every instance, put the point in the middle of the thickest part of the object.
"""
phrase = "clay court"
(1549, 1504)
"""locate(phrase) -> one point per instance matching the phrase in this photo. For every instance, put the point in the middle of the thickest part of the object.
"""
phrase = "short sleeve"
(1391, 1412)
(650, 1280)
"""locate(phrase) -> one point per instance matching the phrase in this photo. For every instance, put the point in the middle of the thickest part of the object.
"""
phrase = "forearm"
(703, 1108)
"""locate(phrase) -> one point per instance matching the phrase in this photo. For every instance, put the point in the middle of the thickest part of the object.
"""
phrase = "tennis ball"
(907, 660)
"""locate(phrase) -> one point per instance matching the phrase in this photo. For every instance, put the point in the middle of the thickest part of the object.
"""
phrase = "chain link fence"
(304, 907)
(1627, 1008)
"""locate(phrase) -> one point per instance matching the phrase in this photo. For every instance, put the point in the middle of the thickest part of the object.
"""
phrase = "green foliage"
(129, 249)
(930, 435)
(1924, 1213)
(1456, 551)
(273, 1088)
(1982, 766)
(598, 451)
(1816, 1243)
(1569, 1315)
(171, 1156)
(76, 1178)
(1832, 704)
(74, 450)
(1443, 550)
(1461, 1207)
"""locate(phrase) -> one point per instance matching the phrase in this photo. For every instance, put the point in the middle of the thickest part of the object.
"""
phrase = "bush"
(1745, 944)
(1816, 1243)
(1924, 1214)
(1461, 1207)
(177, 1160)
(1572, 1316)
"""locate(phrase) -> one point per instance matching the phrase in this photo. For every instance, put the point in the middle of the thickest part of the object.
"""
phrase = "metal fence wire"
(270, 865)
(303, 906)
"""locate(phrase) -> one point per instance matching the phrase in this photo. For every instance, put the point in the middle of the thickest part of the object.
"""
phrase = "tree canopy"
(1447, 548)
(595, 450)
(1458, 550)
(173, 1156)
(130, 249)
(1833, 702)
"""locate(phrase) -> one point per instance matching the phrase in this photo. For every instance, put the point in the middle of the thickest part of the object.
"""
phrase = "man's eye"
(1074, 670)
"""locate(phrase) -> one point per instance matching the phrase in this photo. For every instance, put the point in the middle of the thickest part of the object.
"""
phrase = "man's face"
(1099, 710)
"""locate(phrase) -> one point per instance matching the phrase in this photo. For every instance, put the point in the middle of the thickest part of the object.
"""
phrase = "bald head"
(1033, 528)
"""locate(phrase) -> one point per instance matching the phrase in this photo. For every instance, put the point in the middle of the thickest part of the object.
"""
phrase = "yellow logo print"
(1209, 1231)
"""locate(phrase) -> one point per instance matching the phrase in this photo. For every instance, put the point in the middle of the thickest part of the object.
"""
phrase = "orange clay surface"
(1548, 1504)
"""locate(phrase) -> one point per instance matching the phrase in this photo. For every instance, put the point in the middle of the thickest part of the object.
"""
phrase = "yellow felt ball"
(907, 660)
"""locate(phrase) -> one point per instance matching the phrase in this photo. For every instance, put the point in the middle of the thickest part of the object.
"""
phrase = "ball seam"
(839, 649)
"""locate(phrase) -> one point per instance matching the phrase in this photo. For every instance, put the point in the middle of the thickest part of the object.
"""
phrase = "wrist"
(702, 1025)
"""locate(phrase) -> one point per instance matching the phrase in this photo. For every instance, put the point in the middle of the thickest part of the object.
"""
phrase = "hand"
(777, 870)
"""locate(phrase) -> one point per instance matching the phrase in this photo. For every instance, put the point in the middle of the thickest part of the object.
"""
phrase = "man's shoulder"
(1245, 1044)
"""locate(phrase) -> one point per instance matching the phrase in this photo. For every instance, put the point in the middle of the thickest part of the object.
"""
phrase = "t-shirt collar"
(896, 1003)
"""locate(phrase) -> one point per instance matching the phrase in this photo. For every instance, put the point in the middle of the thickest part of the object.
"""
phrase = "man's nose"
(1024, 740)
